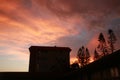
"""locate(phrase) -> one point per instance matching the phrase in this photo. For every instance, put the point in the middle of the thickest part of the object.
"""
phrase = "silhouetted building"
(49, 59)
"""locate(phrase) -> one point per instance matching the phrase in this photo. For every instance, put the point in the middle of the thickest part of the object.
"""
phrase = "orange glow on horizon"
(72, 60)
(91, 60)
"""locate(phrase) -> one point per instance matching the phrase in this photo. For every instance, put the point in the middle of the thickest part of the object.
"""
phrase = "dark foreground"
(105, 68)
(36, 76)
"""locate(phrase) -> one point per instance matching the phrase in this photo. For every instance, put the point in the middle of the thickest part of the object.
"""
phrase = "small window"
(37, 67)
(114, 72)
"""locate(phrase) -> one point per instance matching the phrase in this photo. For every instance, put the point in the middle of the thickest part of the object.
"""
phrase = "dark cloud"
(95, 12)
(26, 4)
(68, 7)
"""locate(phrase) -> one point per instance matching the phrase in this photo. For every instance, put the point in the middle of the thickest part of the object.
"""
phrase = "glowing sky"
(69, 23)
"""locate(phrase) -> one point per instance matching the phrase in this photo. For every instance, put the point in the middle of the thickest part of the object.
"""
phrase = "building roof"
(50, 48)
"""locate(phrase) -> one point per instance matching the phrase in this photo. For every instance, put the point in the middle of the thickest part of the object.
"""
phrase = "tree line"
(104, 48)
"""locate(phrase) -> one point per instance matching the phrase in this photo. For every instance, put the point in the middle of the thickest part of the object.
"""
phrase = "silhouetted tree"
(96, 55)
(83, 56)
(111, 40)
(102, 44)
(87, 56)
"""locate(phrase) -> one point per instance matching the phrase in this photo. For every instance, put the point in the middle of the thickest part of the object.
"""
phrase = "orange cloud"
(33, 22)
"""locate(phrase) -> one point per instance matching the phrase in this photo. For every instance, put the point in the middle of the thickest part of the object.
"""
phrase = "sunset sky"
(64, 23)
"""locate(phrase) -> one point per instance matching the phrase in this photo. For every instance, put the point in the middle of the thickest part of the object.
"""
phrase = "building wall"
(49, 59)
